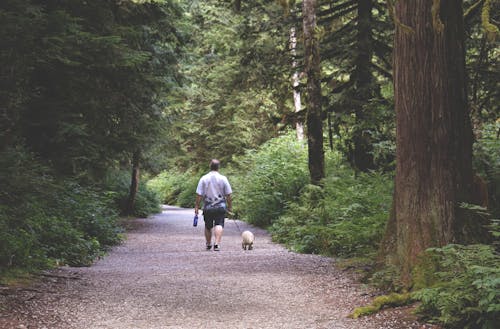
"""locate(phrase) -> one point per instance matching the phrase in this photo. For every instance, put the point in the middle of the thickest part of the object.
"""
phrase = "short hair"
(214, 164)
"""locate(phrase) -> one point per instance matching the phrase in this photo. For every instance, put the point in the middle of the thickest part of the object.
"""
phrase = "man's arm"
(229, 203)
(197, 204)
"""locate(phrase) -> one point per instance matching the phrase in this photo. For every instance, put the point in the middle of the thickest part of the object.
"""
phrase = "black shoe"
(216, 247)
(209, 246)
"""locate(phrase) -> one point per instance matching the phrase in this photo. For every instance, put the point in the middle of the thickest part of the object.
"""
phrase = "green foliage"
(272, 176)
(85, 82)
(44, 220)
(487, 163)
(118, 184)
(482, 64)
(347, 218)
(238, 83)
(465, 287)
(175, 188)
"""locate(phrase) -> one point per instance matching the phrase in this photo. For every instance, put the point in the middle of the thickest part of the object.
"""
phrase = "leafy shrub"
(45, 220)
(188, 190)
(274, 175)
(345, 218)
(487, 163)
(147, 200)
(66, 244)
(166, 186)
(175, 188)
(465, 290)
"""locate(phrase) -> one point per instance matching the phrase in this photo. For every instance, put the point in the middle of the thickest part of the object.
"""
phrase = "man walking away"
(215, 191)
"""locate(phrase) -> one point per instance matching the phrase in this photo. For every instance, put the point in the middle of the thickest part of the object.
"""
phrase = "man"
(215, 191)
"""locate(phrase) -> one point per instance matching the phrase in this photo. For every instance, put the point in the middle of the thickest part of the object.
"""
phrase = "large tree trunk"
(314, 119)
(361, 156)
(434, 135)
(134, 183)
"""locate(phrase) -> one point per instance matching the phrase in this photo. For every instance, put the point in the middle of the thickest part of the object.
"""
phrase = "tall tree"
(89, 79)
(434, 135)
(356, 52)
(239, 80)
(314, 120)
(360, 154)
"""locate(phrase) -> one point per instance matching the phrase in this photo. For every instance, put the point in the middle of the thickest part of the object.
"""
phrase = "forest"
(365, 130)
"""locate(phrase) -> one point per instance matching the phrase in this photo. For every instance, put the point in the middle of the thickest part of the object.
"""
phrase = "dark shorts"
(213, 218)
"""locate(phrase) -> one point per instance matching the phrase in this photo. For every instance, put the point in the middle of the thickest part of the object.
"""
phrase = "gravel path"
(162, 277)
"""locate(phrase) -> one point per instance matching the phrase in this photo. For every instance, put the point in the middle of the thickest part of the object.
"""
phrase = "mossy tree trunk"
(434, 135)
(314, 119)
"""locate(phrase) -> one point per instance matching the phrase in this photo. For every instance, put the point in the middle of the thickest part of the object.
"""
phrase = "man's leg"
(218, 229)
(209, 224)
(208, 236)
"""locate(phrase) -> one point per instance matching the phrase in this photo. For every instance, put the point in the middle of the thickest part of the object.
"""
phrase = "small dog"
(248, 239)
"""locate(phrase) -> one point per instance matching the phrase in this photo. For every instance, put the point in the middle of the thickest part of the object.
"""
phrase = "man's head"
(214, 165)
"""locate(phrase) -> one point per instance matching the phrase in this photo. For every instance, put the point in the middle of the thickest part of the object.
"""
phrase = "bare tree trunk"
(299, 126)
(433, 131)
(134, 184)
(237, 6)
(314, 112)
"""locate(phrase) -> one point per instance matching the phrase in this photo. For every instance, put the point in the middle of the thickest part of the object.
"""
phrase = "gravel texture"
(162, 277)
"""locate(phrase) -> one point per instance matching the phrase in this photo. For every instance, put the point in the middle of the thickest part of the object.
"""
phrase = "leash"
(234, 220)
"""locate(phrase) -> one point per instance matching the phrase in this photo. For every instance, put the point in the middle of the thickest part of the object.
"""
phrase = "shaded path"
(162, 277)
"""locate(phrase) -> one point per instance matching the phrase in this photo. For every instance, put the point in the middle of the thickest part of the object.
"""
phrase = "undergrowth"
(269, 179)
(346, 218)
(175, 188)
(462, 287)
(47, 220)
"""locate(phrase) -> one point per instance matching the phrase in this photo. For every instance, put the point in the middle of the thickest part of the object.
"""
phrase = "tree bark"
(433, 131)
(314, 119)
(134, 184)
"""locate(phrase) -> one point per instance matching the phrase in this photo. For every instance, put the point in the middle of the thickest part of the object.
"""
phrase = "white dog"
(248, 239)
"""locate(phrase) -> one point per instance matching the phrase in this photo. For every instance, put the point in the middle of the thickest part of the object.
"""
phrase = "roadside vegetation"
(110, 108)
(456, 285)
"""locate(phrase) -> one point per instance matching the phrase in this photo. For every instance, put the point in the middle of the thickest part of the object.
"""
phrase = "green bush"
(487, 163)
(176, 188)
(188, 186)
(147, 200)
(44, 220)
(345, 218)
(465, 290)
(273, 176)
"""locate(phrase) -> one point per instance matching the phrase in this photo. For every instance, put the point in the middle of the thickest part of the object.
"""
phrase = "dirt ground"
(162, 277)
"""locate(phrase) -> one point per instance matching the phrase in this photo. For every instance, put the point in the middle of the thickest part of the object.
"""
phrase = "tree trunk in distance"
(134, 184)
(361, 155)
(299, 126)
(433, 132)
(314, 119)
(237, 6)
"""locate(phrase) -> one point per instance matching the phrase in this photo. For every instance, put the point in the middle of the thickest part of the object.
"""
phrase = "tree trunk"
(134, 184)
(314, 119)
(237, 6)
(299, 126)
(361, 157)
(433, 132)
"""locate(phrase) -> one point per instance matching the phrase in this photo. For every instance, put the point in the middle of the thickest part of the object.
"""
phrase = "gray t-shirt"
(214, 187)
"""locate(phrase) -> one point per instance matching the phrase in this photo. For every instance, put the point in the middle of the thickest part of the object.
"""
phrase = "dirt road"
(162, 277)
